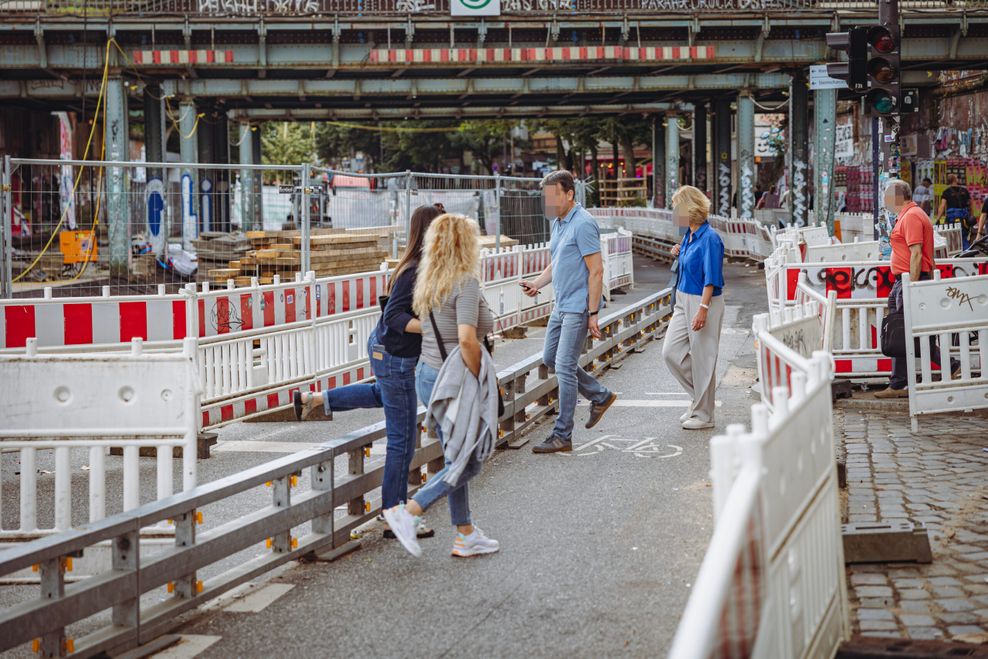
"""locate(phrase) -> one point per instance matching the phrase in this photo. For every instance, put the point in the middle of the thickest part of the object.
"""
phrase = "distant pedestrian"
(912, 251)
(923, 196)
(455, 380)
(576, 271)
(955, 208)
(692, 341)
(769, 200)
(393, 349)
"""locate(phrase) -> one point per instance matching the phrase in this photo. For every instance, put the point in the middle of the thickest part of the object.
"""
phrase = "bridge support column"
(746, 156)
(154, 151)
(116, 136)
(723, 176)
(658, 162)
(258, 179)
(206, 190)
(672, 156)
(825, 129)
(248, 210)
(700, 145)
(222, 177)
(799, 137)
(188, 152)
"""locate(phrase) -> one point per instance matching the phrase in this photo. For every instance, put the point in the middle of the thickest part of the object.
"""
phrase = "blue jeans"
(394, 390)
(564, 338)
(437, 488)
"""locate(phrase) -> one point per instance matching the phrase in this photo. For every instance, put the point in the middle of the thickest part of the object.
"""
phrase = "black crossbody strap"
(439, 337)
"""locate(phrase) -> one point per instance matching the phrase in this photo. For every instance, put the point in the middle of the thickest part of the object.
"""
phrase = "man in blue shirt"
(577, 275)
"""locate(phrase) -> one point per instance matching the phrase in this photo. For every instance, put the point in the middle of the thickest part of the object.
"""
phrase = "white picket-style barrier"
(619, 267)
(949, 311)
(772, 581)
(89, 403)
(786, 339)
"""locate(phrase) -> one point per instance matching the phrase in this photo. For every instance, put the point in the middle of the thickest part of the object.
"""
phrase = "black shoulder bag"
(444, 355)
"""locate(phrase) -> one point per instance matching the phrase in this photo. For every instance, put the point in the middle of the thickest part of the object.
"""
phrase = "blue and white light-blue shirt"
(701, 262)
(574, 237)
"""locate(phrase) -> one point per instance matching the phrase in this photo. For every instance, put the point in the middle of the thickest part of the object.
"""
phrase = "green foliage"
(484, 138)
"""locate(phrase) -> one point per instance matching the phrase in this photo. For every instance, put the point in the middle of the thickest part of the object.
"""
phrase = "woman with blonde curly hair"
(455, 319)
(693, 340)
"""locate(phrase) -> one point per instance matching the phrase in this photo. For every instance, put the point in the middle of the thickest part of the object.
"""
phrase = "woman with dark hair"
(393, 348)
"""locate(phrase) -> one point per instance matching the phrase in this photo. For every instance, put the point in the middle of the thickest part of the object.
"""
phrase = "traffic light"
(884, 93)
(854, 42)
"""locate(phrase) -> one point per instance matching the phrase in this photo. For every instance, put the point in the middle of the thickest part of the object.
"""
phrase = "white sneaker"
(474, 544)
(405, 527)
(687, 415)
(696, 424)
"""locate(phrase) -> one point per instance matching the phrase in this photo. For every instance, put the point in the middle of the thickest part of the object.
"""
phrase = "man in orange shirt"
(912, 251)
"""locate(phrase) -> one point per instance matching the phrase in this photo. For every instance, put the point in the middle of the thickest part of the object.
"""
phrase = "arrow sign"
(820, 80)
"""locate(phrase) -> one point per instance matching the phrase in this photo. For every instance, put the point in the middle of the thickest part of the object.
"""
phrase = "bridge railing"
(772, 581)
(299, 518)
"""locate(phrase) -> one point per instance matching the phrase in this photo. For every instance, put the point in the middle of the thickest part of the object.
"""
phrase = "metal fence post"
(408, 213)
(53, 588)
(497, 200)
(6, 231)
(306, 219)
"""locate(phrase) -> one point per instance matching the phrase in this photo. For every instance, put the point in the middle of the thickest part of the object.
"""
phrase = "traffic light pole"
(876, 167)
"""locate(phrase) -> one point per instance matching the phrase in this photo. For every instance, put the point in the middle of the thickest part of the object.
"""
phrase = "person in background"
(955, 208)
(979, 230)
(456, 318)
(769, 200)
(393, 349)
(912, 251)
(576, 270)
(923, 196)
(693, 339)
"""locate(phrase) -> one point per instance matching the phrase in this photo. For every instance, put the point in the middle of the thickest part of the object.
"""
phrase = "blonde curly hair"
(694, 202)
(450, 255)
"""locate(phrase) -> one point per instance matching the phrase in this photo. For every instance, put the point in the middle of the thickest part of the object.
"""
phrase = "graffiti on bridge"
(257, 7)
(724, 182)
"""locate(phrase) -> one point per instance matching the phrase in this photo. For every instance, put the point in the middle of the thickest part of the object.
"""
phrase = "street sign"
(910, 100)
(475, 7)
(820, 80)
(286, 189)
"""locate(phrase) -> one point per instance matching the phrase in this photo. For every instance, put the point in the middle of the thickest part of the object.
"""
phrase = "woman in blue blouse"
(393, 348)
(693, 339)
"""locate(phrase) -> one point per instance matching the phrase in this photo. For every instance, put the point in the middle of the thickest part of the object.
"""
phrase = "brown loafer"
(597, 411)
(889, 392)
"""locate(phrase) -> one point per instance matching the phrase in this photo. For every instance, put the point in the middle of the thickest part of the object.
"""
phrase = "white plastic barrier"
(950, 311)
(772, 581)
(841, 252)
(535, 259)
(619, 267)
(500, 274)
(90, 402)
(786, 340)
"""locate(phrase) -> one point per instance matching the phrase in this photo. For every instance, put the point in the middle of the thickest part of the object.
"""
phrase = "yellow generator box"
(78, 246)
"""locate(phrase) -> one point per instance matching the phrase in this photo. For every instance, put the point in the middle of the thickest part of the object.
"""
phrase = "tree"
(484, 138)
(286, 143)
(337, 142)
(423, 150)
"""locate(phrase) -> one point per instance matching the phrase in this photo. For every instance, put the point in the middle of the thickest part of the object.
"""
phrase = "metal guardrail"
(120, 589)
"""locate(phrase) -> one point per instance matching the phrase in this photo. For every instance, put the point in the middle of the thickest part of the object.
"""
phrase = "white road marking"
(646, 403)
(666, 393)
(642, 448)
(256, 601)
(191, 645)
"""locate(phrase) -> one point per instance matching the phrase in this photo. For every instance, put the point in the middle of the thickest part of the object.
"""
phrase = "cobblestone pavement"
(937, 477)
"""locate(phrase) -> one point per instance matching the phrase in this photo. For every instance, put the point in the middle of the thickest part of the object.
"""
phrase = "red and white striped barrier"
(232, 310)
(557, 54)
(786, 340)
(535, 259)
(775, 563)
(86, 321)
(181, 57)
(619, 267)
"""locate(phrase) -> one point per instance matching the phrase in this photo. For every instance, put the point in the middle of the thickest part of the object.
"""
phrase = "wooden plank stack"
(270, 253)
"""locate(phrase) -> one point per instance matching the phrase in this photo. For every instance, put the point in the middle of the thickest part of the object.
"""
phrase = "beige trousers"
(692, 356)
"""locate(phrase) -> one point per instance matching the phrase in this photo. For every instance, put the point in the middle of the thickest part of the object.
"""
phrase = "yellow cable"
(85, 155)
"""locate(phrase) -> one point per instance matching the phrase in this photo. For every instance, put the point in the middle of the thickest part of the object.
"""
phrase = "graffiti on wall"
(695, 5)
(800, 203)
(257, 7)
(724, 185)
(747, 185)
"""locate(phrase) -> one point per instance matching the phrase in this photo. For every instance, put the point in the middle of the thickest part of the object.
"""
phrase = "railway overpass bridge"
(248, 61)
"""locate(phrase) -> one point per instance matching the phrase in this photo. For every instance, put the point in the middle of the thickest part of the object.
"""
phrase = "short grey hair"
(562, 178)
(901, 189)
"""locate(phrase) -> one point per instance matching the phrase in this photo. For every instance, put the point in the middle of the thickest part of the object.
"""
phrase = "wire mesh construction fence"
(83, 228)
